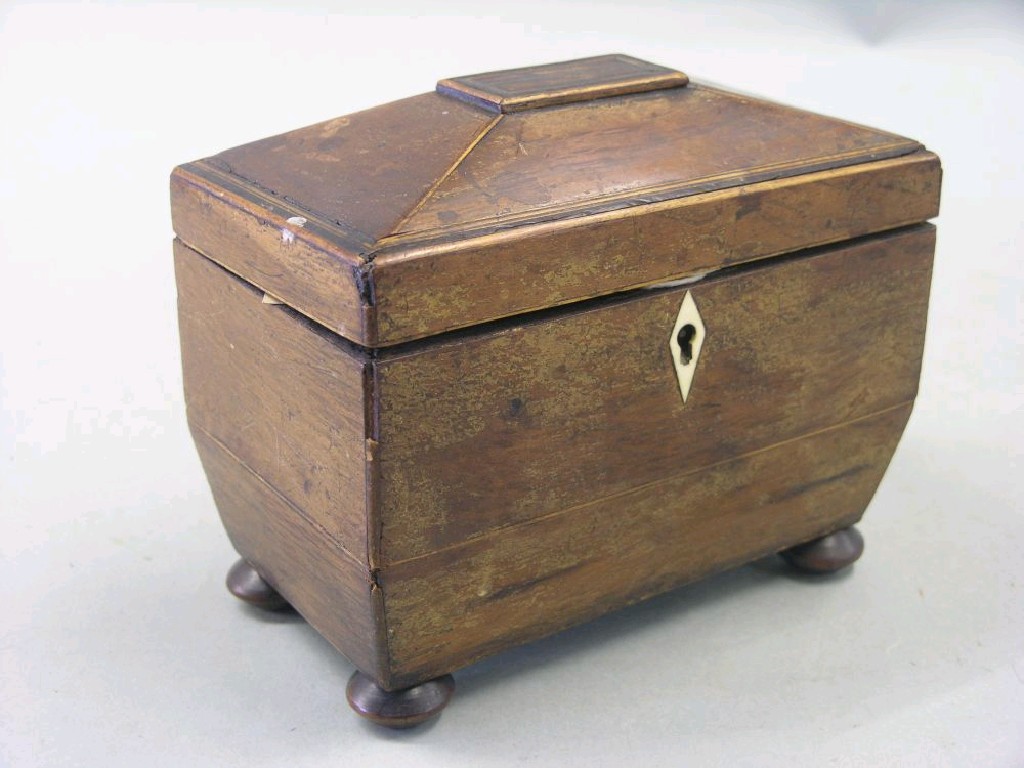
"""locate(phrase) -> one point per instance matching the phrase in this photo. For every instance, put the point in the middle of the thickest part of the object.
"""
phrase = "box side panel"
(282, 395)
(325, 584)
(453, 607)
(248, 233)
(490, 430)
(433, 288)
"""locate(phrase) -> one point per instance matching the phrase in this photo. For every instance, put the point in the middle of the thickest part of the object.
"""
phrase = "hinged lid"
(513, 191)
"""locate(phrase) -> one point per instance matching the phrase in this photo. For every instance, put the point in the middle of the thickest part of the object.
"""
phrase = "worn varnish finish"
(243, 229)
(363, 172)
(500, 427)
(437, 404)
(457, 605)
(284, 397)
(511, 435)
(424, 289)
(509, 177)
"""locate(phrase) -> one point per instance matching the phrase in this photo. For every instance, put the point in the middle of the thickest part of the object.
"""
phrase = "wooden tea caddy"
(475, 366)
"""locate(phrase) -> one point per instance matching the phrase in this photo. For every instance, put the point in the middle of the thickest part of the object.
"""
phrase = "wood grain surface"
(283, 396)
(564, 82)
(491, 429)
(244, 230)
(365, 171)
(422, 290)
(544, 164)
(450, 608)
(441, 501)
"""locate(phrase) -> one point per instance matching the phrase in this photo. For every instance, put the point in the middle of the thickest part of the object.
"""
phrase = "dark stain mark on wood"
(516, 407)
(799, 490)
(523, 586)
(748, 204)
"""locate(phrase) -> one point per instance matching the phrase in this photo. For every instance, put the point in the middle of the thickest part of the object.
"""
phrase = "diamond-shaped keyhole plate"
(685, 342)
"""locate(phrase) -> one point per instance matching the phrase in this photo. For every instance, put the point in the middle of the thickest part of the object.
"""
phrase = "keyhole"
(685, 339)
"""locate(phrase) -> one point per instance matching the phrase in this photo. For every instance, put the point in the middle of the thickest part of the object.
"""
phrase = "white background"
(118, 643)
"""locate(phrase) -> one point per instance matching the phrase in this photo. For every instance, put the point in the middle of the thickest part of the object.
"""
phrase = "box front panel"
(490, 430)
(547, 472)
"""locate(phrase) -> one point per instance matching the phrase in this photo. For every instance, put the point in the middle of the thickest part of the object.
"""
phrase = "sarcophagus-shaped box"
(475, 366)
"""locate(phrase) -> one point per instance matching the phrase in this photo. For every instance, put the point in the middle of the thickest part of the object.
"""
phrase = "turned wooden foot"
(399, 709)
(246, 584)
(828, 554)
